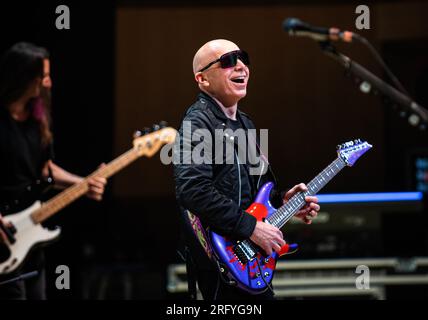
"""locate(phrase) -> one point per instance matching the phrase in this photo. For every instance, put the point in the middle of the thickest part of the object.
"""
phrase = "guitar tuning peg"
(140, 133)
(137, 134)
(155, 127)
(163, 124)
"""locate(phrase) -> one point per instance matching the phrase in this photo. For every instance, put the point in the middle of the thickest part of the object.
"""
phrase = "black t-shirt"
(22, 156)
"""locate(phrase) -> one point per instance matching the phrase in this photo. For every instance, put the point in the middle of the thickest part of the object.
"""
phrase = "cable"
(379, 59)
(24, 276)
(260, 176)
(217, 287)
(239, 178)
(263, 276)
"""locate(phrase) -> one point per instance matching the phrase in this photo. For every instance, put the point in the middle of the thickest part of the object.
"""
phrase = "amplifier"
(362, 225)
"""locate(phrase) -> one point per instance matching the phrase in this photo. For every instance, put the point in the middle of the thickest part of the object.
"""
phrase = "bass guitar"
(26, 230)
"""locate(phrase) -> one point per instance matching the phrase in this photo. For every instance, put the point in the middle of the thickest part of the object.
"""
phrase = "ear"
(201, 79)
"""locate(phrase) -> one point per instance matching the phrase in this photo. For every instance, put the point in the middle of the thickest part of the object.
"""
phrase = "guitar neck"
(74, 192)
(288, 210)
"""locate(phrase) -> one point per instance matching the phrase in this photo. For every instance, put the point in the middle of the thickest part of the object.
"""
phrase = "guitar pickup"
(245, 251)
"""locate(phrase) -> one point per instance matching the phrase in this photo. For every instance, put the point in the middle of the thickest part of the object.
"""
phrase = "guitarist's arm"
(64, 179)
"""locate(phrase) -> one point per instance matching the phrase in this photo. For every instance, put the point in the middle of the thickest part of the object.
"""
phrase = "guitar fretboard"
(72, 193)
(288, 210)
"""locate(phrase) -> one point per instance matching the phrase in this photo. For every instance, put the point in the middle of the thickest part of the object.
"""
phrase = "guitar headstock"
(149, 140)
(351, 151)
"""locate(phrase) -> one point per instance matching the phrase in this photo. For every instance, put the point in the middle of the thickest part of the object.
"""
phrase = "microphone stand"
(418, 115)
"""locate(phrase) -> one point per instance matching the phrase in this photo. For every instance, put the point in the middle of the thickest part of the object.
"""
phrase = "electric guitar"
(244, 264)
(26, 230)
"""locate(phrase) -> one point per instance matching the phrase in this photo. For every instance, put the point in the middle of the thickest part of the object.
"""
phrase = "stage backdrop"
(302, 96)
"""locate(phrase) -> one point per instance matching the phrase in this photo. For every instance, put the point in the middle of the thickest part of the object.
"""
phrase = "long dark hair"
(19, 66)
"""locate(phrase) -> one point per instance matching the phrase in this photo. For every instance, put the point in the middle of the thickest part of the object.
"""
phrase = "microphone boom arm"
(419, 115)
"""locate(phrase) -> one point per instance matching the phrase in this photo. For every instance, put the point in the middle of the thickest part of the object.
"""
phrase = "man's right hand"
(267, 237)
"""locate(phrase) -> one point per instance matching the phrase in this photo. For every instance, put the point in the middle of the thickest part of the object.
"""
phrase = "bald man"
(218, 191)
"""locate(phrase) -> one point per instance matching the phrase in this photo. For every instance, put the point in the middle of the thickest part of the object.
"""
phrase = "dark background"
(126, 65)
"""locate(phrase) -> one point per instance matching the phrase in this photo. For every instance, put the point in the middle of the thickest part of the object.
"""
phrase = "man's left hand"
(96, 187)
(311, 208)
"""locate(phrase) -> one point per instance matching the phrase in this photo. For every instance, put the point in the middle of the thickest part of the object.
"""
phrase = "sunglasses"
(230, 59)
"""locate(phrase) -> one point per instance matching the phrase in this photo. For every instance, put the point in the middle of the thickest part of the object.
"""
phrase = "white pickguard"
(27, 236)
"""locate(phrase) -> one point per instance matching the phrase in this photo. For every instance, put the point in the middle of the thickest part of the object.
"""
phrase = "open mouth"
(238, 80)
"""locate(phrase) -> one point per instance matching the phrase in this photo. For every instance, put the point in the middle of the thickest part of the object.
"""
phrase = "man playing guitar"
(219, 193)
(26, 151)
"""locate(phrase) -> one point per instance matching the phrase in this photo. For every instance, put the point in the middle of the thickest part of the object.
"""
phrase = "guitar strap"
(200, 233)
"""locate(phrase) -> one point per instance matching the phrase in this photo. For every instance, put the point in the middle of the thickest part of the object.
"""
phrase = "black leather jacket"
(213, 192)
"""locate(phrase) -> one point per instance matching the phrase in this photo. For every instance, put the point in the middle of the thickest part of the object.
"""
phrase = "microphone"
(298, 28)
